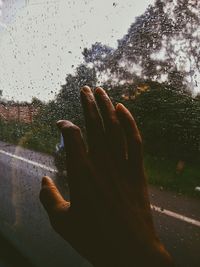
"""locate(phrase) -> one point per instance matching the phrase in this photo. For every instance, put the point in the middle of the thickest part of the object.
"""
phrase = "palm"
(109, 215)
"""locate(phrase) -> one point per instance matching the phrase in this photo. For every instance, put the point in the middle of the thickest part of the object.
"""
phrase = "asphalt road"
(24, 222)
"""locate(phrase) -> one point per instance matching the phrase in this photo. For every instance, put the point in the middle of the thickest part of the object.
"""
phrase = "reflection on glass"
(146, 55)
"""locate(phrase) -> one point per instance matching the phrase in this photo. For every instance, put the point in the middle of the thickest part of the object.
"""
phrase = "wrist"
(155, 255)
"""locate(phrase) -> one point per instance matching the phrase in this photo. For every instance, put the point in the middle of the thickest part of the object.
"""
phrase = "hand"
(108, 219)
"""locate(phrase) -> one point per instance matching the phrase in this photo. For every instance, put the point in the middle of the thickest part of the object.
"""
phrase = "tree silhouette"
(161, 45)
(67, 104)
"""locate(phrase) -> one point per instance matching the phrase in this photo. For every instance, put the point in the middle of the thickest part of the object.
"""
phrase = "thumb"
(50, 196)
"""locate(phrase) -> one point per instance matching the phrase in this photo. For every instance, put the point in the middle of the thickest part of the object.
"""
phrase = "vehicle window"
(145, 54)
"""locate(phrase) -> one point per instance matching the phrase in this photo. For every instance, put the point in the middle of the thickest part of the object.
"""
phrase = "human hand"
(108, 219)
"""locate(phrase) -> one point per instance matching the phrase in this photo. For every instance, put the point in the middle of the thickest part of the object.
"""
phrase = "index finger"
(113, 130)
(76, 161)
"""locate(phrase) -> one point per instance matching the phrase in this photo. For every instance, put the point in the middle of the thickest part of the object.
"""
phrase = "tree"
(169, 121)
(36, 102)
(67, 103)
(161, 45)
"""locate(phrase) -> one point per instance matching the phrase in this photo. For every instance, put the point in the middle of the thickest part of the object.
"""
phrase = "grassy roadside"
(37, 136)
(162, 172)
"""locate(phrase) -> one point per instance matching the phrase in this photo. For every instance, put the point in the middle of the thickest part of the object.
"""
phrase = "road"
(24, 221)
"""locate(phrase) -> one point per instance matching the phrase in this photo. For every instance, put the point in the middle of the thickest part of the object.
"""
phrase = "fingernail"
(46, 181)
(58, 123)
(100, 90)
(63, 123)
(119, 106)
(86, 89)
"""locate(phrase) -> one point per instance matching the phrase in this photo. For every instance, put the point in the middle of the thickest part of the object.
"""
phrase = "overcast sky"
(41, 41)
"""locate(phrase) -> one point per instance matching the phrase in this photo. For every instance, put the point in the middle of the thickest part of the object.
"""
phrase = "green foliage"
(169, 122)
(162, 172)
(35, 102)
(41, 138)
(37, 136)
(12, 131)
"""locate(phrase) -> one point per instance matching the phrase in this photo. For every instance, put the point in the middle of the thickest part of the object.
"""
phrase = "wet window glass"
(146, 55)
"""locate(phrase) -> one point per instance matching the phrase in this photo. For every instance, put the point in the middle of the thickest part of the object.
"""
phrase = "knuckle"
(114, 122)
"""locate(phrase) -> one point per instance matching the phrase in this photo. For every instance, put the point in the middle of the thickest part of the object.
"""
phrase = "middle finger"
(94, 125)
(113, 130)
